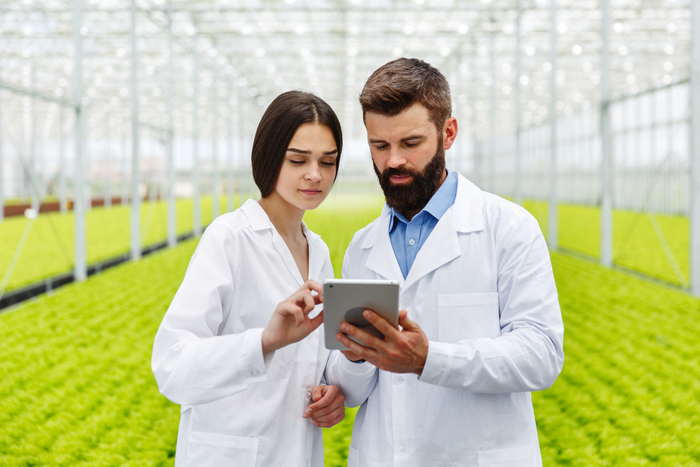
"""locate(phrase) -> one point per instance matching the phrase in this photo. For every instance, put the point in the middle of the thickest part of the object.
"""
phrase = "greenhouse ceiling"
(245, 53)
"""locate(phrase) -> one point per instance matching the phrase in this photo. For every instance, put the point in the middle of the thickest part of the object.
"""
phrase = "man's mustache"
(398, 172)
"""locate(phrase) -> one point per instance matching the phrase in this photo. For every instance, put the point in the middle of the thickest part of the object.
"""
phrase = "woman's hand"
(290, 322)
(328, 408)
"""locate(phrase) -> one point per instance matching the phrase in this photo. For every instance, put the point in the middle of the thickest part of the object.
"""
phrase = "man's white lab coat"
(482, 289)
(238, 408)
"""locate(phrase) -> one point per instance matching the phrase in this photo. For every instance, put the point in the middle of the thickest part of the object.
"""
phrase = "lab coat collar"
(441, 247)
(260, 221)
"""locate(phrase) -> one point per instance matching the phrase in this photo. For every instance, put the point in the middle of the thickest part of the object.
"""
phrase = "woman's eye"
(296, 162)
(328, 164)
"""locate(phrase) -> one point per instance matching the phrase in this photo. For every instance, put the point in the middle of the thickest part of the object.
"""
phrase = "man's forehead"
(414, 121)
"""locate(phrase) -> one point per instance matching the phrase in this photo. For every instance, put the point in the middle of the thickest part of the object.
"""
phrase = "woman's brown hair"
(277, 126)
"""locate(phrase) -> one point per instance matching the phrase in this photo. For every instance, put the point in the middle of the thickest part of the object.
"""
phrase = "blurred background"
(126, 127)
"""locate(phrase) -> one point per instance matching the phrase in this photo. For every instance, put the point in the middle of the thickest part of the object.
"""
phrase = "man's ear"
(449, 132)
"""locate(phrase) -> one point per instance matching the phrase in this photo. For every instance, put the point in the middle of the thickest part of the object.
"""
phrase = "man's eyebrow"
(413, 138)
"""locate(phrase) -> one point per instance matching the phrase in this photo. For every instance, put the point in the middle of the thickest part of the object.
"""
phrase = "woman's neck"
(286, 218)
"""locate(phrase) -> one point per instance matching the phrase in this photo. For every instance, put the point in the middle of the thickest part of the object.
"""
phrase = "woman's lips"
(311, 191)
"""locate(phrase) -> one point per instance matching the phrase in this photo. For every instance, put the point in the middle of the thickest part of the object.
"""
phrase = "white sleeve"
(355, 380)
(529, 355)
(191, 362)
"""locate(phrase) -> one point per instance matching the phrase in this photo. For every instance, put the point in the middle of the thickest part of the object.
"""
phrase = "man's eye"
(411, 145)
(382, 147)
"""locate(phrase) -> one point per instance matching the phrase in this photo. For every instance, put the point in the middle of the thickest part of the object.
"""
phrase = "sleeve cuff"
(256, 363)
(356, 369)
(437, 362)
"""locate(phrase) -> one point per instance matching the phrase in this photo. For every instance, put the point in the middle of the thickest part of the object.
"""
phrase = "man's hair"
(399, 84)
(280, 121)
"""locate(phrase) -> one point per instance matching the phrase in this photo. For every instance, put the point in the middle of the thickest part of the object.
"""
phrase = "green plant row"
(76, 387)
(49, 245)
(638, 237)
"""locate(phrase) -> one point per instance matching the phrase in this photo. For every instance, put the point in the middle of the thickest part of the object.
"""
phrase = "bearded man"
(480, 324)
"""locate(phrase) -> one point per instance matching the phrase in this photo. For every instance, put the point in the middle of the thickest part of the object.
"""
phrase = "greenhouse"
(126, 128)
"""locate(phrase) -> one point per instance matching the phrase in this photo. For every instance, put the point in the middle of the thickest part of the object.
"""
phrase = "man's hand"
(328, 408)
(290, 322)
(403, 351)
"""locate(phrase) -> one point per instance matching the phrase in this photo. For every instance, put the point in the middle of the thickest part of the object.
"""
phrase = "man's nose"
(395, 158)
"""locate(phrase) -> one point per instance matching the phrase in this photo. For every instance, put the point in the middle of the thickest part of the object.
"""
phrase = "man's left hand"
(401, 351)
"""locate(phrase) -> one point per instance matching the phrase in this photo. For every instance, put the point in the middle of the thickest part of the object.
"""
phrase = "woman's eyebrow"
(302, 151)
(298, 151)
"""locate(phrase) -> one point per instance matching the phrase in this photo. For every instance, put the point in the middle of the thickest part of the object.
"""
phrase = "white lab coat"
(482, 289)
(238, 408)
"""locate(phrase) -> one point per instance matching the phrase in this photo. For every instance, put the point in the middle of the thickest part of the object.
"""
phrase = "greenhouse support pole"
(135, 182)
(241, 145)
(2, 191)
(125, 171)
(492, 114)
(216, 201)
(108, 153)
(478, 162)
(518, 123)
(33, 176)
(231, 204)
(79, 224)
(62, 161)
(172, 212)
(606, 224)
(553, 220)
(695, 152)
(197, 201)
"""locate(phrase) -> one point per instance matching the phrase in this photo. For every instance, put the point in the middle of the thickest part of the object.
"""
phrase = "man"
(480, 325)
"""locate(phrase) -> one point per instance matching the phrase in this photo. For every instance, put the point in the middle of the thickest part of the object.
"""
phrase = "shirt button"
(401, 450)
(254, 372)
(398, 379)
(411, 242)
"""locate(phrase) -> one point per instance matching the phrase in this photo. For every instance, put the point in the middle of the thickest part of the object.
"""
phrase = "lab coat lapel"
(442, 246)
(382, 259)
(260, 222)
(286, 256)
(316, 250)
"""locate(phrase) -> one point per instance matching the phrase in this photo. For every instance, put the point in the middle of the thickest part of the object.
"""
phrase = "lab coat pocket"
(214, 450)
(522, 456)
(467, 316)
(353, 457)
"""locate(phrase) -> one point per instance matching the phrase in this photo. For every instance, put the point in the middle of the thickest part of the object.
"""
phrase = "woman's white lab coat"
(238, 407)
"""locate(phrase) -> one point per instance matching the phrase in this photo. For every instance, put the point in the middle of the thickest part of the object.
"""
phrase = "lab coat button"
(308, 394)
(401, 450)
(398, 379)
(253, 372)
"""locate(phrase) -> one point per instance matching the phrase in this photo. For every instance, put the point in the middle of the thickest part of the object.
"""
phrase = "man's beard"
(412, 196)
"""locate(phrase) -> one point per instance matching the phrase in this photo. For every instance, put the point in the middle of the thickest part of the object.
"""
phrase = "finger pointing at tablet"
(290, 322)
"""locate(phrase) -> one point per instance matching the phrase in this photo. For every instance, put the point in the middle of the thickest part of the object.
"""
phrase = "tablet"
(346, 300)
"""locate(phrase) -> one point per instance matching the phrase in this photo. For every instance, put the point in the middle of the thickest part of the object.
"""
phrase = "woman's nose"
(314, 174)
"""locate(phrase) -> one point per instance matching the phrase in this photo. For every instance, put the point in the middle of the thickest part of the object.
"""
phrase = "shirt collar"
(440, 202)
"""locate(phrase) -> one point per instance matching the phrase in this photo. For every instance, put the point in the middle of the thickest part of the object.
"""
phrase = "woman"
(239, 348)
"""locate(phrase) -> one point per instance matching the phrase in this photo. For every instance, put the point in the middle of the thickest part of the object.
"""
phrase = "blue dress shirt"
(407, 237)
